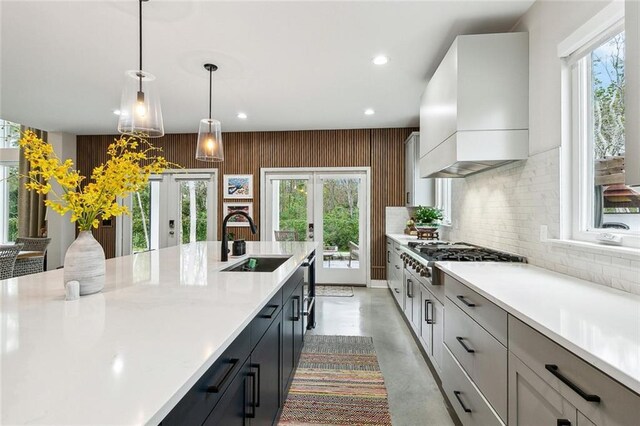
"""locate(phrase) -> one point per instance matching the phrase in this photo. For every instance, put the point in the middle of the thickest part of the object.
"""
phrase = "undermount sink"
(263, 264)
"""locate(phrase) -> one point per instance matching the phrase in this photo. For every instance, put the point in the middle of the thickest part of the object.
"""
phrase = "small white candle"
(72, 290)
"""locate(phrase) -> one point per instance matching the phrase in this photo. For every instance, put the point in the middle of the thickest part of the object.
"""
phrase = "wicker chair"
(34, 262)
(8, 255)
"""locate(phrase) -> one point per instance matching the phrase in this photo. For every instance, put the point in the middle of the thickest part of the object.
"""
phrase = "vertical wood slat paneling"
(247, 152)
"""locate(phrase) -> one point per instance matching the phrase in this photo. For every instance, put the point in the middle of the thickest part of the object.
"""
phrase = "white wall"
(504, 208)
(59, 228)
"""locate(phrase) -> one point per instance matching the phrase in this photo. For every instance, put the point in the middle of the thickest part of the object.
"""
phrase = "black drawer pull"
(218, 386)
(397, 267)
(466, 348)
(296, 309)
(410, 289)
(397, 291)
(428, 318)
(466, 302)
(252, 414)
(563, 422)
(464, 407)
(273, 308)
(553, 369)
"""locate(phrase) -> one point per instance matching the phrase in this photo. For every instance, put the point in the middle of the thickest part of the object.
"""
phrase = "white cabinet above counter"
(474, 113)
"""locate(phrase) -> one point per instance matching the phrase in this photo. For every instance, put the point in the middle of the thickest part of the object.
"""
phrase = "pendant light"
(210, 132)
(140, 112)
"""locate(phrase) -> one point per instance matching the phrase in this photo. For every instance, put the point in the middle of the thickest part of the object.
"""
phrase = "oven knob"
(425, 272)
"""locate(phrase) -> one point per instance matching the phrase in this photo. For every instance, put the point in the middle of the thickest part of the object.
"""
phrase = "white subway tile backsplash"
(504, 208)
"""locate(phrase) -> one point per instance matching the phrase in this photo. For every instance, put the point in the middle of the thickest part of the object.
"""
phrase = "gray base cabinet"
(533, 402)
(248, 384)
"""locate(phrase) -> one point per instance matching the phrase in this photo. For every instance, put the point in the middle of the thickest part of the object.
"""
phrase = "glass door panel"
(193, 211)
(341, 221)
(288, 215)
(144, 218)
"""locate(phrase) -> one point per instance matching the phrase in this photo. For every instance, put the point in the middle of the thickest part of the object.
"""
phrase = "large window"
(9, 136)
(602, 201)
(443, 198)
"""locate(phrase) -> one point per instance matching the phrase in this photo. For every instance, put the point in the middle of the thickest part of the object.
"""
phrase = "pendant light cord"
(140, 27)
(210, 91)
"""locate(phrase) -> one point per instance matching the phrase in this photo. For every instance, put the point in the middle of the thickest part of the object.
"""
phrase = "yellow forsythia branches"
(131, 161)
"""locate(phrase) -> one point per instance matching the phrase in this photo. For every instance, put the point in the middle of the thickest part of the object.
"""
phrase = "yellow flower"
(122, 174)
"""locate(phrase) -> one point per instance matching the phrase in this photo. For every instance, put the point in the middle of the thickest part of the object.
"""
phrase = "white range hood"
(474, 113)
(467, 152)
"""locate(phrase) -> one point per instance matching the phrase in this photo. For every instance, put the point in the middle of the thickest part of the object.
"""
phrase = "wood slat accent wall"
(246, 153)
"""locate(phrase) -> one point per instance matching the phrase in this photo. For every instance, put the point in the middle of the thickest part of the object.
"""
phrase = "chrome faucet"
(225, 241)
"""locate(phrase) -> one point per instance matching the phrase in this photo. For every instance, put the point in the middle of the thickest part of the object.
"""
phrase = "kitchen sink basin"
(262, 264)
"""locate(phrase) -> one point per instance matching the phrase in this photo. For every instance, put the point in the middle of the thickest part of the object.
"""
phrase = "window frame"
(443, 199)
(578, 65)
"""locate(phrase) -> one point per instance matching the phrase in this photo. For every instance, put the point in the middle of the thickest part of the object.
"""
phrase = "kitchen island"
(129, 354)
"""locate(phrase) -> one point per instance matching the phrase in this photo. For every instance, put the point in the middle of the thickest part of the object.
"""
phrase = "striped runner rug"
(338, 382)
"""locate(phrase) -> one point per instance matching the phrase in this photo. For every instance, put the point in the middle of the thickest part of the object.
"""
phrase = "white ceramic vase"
(84, 262)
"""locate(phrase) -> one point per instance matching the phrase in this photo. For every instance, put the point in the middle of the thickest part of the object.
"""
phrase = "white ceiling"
(287, 65)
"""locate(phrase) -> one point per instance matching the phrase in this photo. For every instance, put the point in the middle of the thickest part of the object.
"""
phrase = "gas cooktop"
(433, 251)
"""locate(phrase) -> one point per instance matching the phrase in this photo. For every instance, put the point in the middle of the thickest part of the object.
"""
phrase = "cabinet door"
(426, 332)
(408, 283)
(298, 325)
(416, 310)
(288, 363)
(532, 402)
(235, 406)
(437, 332)
(265, 364)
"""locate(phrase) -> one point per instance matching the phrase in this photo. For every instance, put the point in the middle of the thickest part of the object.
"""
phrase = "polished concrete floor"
(414, 397)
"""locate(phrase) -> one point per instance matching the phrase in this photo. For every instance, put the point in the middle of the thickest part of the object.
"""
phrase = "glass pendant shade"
(140, 112)
(210, 141)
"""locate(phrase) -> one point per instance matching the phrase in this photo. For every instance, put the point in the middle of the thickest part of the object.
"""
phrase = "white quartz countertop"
(127, 355)
(599, 324)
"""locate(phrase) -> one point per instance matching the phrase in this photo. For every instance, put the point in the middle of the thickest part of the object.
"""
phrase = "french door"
(328, 206)
(174, 208)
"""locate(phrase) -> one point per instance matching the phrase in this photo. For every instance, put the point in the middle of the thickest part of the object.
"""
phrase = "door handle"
(553, 369)
(410, 288)
(252, 404)
(428, 318)
(257, 380)
(563, 422)
(466, 348)
(218, 386)
(464, 407)
(296, 309)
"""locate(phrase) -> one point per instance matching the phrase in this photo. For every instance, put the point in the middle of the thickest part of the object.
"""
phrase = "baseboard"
(379, 284)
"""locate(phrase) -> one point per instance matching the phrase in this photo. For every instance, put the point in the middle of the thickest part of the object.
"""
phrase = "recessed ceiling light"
(116, 111)
(369, 111)
(380, 60)
(242, 116)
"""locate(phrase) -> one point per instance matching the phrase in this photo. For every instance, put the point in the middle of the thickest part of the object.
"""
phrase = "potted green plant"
(429, 217)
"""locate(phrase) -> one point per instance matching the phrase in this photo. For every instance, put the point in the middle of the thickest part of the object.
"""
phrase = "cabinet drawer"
(480, 354)
(396, 264)
(196, 405)
(263, 320)
(465, 398)
(484, 312)
(618, 405)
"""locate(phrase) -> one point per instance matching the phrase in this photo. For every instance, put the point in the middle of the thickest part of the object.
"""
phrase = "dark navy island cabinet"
(248, 384)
